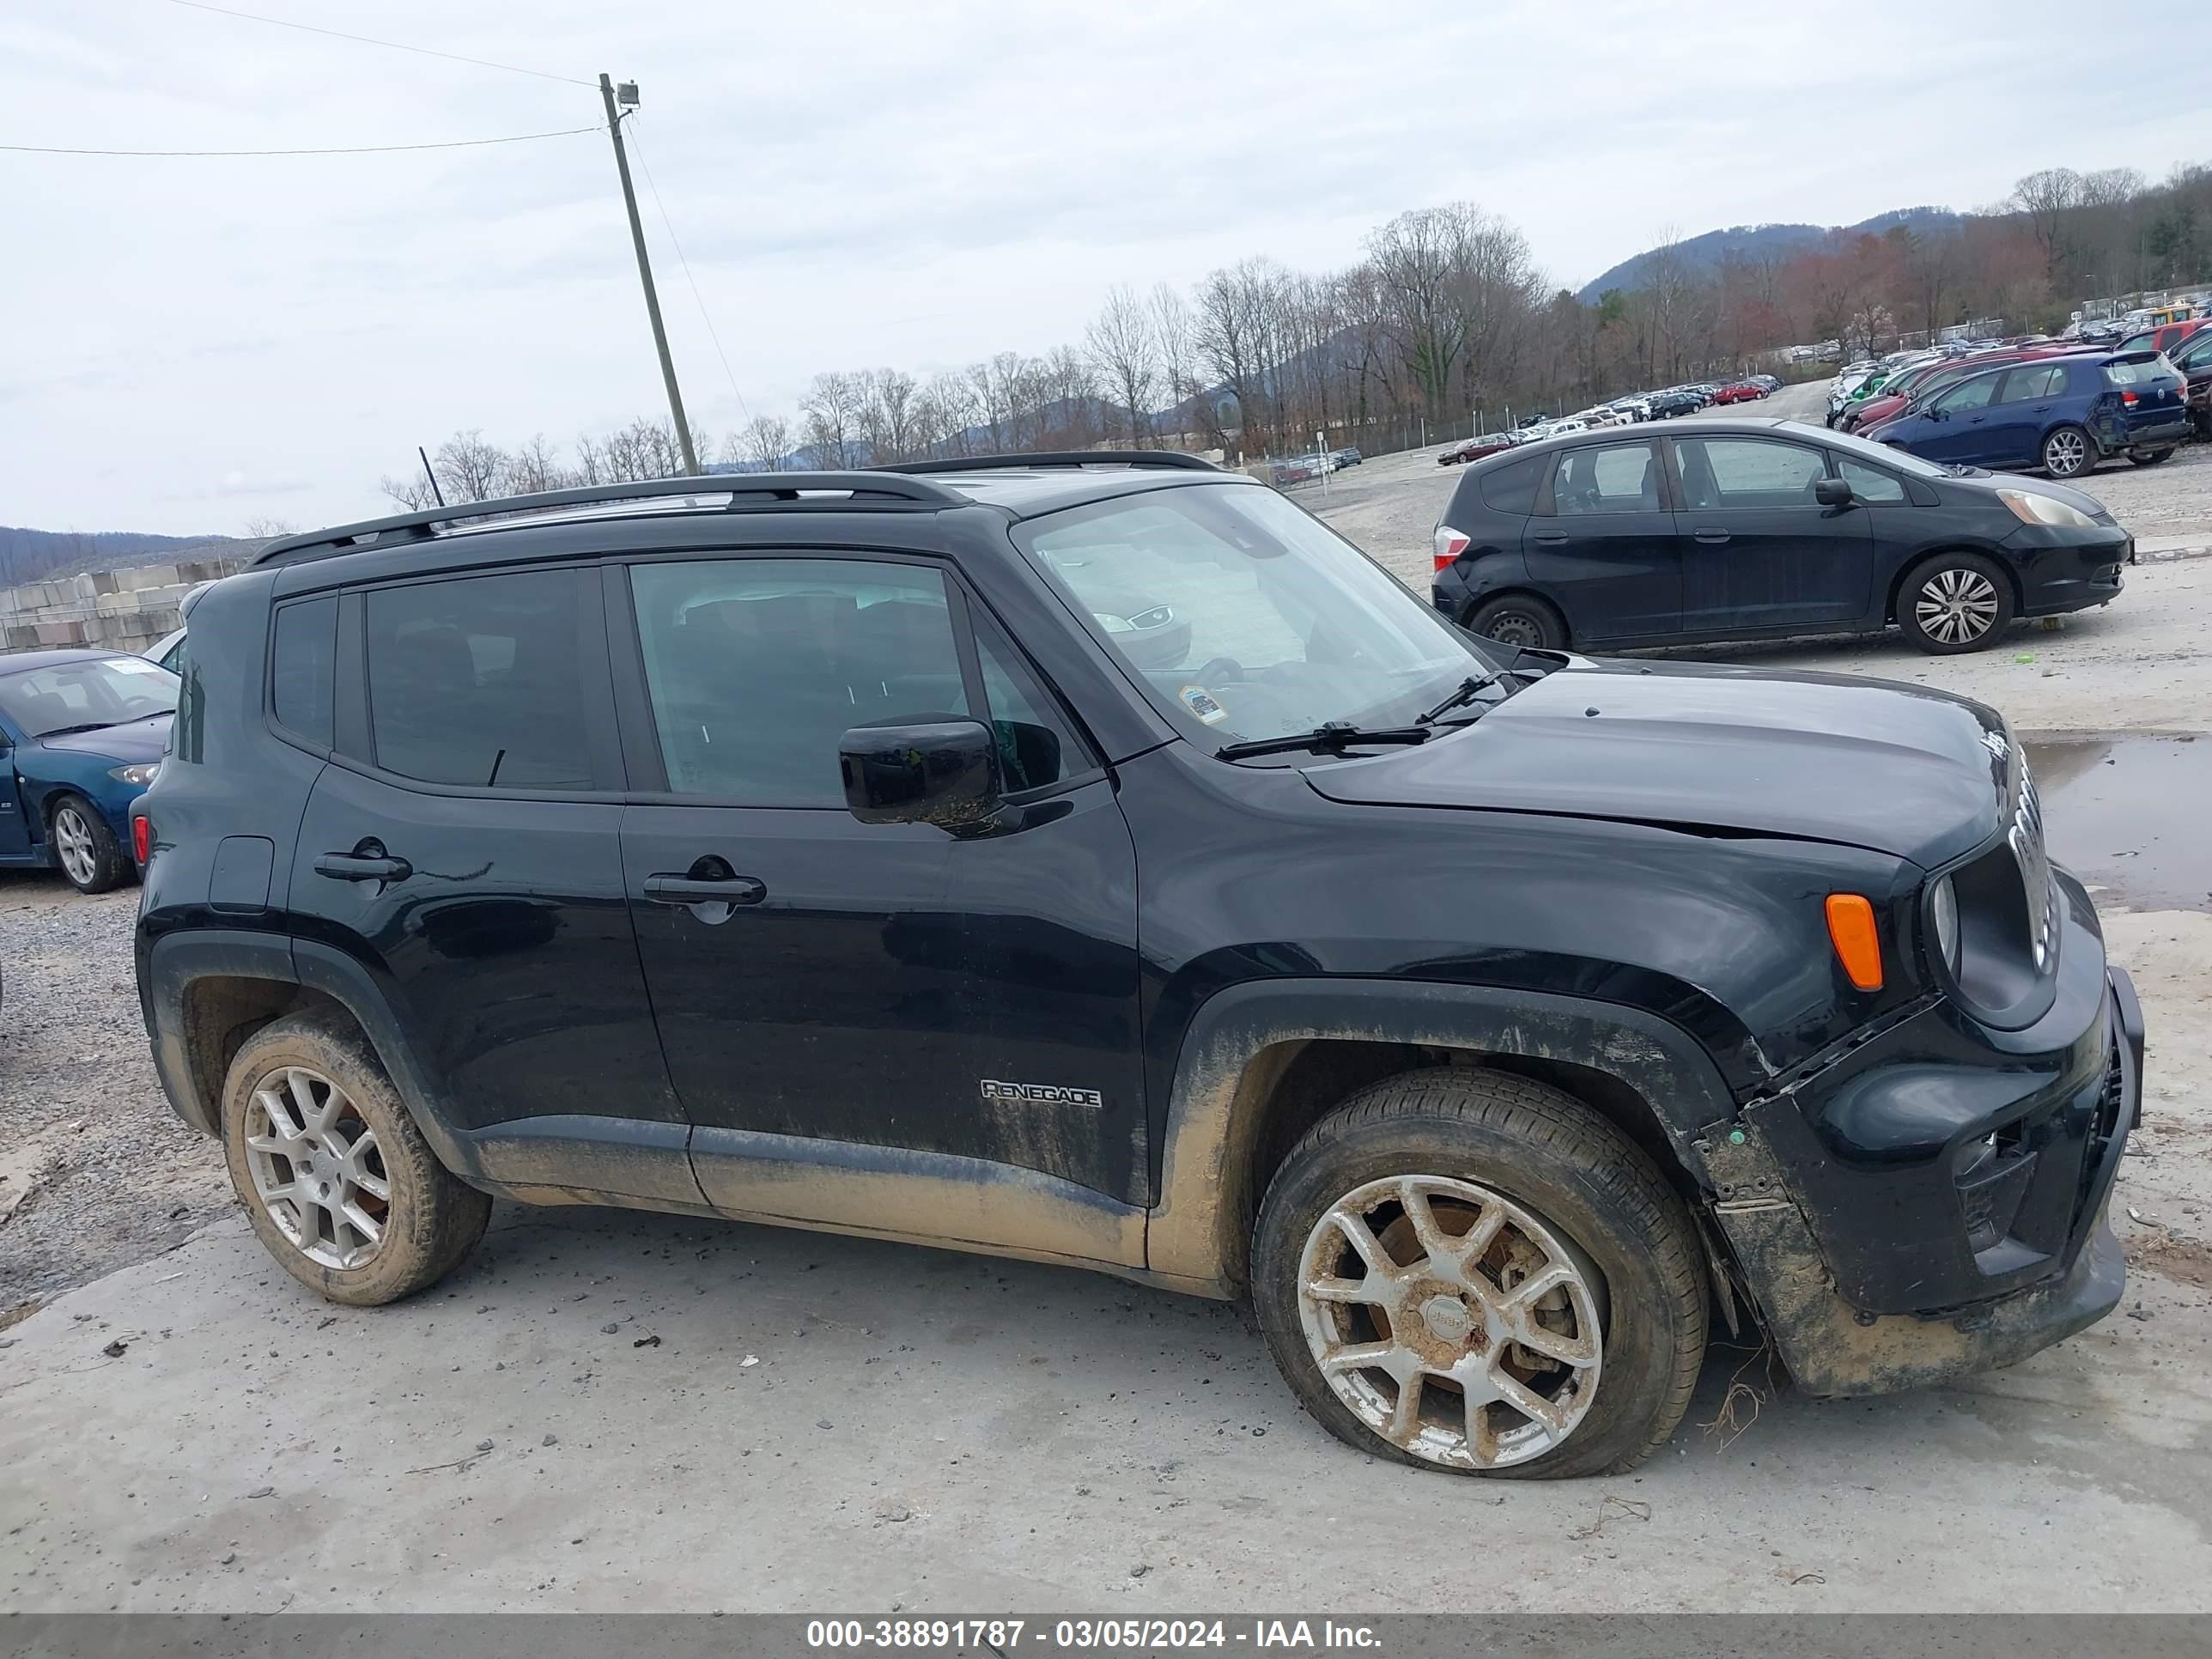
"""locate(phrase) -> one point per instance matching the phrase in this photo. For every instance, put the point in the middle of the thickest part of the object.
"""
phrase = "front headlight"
(1943, 923)
(139, 775)
(2030, 507)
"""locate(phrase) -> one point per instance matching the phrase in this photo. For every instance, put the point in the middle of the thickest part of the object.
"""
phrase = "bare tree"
(468, 468)
(1122, 347)
(766, 443)
(535, 467)
(832, 409)
(2045, 197)
(269, 530)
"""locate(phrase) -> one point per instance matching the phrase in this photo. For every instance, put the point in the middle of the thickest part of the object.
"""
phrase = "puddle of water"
(2132, 814)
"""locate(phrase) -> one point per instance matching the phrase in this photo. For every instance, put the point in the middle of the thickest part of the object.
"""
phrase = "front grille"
(2025, 835)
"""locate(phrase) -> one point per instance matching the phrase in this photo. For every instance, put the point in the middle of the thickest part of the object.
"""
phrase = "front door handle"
(691, 889)
(367, 862)
(1549, 537)
(1711, 538)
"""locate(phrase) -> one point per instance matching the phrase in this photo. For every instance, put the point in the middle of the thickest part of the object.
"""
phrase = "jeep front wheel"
(1465, 1270)
(338, 1182)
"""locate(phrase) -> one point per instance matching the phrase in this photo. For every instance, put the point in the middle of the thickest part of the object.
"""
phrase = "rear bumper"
(1861, 1253)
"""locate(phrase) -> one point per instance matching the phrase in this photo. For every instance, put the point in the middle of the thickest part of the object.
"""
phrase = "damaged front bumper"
(1854, 1232)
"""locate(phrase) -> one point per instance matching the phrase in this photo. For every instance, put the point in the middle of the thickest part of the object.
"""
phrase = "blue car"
(2063, 414)
(81, 737)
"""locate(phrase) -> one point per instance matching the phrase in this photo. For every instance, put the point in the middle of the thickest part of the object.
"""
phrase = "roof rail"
(743, 488)
(1172, 459)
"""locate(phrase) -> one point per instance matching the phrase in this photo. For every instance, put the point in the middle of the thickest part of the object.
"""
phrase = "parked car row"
(1666, 404)
(1302, 469)
(2036, 403)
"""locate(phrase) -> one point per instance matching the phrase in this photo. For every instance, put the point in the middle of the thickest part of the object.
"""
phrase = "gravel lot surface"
(828, 1424)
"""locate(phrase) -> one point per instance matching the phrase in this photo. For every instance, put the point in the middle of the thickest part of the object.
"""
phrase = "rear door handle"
(363, 866)
(1711, 538)
(1549, 537)
(689, 889)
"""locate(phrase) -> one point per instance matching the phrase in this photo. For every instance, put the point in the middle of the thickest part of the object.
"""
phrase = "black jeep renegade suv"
(820, 849)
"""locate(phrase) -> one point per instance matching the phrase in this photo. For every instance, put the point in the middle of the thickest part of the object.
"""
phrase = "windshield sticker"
(1195, 699)
(134, 666)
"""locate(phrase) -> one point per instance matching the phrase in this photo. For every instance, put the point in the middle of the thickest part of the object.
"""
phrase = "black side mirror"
(1831, 492)
(942, 771)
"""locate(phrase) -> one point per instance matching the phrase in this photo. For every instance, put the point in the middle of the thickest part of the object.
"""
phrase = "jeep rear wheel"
(1464, 1270)
(336, 1178)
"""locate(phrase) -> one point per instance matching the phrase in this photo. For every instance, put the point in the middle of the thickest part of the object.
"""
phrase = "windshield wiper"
(1465, 693)
(83, 725)
(1332, 738)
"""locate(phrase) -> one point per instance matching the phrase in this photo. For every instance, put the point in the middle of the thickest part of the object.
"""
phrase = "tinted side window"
(1968, 395)
(1607, 478)
(1747, 472)
(757, 667)
(2036, 380)
(1511, 487)
(1036, 744)
(302, 669)
(1870, 484)
(475, 682)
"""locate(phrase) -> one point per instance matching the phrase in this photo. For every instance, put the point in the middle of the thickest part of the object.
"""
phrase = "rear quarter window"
(1511, 487)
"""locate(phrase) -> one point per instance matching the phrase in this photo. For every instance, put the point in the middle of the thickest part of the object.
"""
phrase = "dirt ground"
(613, 1412)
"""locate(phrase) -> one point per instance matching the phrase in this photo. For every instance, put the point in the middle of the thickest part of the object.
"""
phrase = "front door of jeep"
(838, 999)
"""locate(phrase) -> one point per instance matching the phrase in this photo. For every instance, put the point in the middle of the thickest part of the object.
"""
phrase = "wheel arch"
(1261, 1063)
(209, 990)
(1519, 590)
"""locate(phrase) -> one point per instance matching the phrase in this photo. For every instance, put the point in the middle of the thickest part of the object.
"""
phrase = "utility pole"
(645, 271)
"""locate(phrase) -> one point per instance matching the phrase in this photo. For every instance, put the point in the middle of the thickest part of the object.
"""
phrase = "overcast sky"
(191, 344)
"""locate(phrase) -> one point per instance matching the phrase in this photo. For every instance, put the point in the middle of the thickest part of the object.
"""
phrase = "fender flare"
(175, 961)
(1194, 1236)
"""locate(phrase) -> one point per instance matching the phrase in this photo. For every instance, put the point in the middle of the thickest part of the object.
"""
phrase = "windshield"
(1246, 619)
(78, 695)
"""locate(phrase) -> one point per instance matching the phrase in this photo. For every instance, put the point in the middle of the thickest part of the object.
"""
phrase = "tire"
(424, 1221)
(1520, 619)
(85, 849)
(2068, 452)
(2149, 456)
(1954, 603)
(1571, 1195)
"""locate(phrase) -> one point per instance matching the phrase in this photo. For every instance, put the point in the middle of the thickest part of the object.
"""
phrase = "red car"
(1473, 449)
(2167, 336)
(1740, 391)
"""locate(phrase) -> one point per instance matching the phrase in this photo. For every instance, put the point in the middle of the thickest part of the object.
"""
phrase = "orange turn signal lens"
(1858, 946)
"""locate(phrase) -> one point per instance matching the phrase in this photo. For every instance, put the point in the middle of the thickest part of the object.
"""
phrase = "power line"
(349, 149)
(369, 40)
(705, 315)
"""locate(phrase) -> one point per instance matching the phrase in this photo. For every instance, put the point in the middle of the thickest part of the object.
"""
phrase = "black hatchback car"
(815, 849)
(1749, 529)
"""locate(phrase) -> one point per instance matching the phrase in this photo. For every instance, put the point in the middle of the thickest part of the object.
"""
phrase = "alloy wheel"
(1956, 607)
(317, 1168)
(73, 842)
(2064, 453)
(1451, 1321)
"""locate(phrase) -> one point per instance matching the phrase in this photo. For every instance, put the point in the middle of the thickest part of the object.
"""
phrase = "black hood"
(1914, 773)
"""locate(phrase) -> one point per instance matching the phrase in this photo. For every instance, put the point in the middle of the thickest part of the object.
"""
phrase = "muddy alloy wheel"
(2066, 452)
(340, 1185)
(1464, 1290)
(1470, 1272)
(317, 1168)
